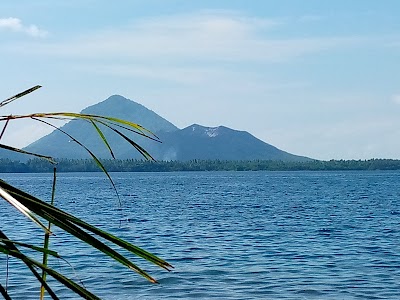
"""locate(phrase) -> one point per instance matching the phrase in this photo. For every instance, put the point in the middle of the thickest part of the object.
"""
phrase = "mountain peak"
(113, 102)
(193, 142)
(120, 107)
(199, 130)
(211, 132)
(119, 99)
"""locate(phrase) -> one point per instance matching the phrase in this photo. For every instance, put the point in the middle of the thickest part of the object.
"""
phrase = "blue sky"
(314, 78)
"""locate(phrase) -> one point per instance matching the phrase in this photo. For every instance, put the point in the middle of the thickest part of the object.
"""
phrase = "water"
(229, 235)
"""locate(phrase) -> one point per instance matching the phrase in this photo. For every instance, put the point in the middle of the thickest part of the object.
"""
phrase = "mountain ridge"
(192, 142)
(223, 143)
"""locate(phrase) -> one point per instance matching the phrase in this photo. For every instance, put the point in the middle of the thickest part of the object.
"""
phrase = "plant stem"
(3, 292)
(47, 237)
(4, 129)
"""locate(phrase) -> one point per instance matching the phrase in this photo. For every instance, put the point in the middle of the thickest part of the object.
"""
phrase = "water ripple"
(230, 235)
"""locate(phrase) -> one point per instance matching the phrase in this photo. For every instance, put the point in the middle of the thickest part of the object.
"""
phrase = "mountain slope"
(56, 144)
(193, 142)
(122, 108)
(199, 142)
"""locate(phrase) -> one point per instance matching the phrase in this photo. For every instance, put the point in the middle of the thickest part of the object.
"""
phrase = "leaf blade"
(22, 208)
(19, 95)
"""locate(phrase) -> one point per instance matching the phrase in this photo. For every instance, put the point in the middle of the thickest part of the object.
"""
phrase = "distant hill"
(56, 144)
(193, 142)
(223, 143)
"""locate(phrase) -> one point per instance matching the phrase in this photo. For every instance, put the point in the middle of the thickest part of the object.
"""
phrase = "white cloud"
(197, 38)
(16, 25)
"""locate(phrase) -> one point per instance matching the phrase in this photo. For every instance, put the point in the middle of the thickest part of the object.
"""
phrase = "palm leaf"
(6, 147)
(34, 208)
(4, 129)
(62, 279)
(4, 293)
(73, 225)
(22, 208)
(103, 138)
(8, 246)
(38, 249)
(97, 161)
(138, 129)
(15, 97)
(47, 236)
(141, 150)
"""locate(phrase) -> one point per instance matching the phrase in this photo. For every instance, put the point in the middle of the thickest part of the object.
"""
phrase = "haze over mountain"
(192, 142)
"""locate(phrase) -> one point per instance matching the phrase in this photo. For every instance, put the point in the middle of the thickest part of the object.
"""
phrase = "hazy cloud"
(396, 98)
(196, 38)
(16, 25)
(311, 18)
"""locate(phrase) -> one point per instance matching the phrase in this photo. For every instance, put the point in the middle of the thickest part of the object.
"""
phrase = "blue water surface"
(229, 235)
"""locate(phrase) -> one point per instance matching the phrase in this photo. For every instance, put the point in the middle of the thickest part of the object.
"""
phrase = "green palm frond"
(56, 275)
(94, 157)
(136, 128)
(4, 293)
(9, 248)
(38, 249)
(22, 208)
(37, 210)
(103, 138)
(110, 122)
(19, 95)
(75, 225)
(10, 148)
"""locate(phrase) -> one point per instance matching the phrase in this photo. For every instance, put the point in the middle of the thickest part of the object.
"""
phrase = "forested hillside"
(132, 165)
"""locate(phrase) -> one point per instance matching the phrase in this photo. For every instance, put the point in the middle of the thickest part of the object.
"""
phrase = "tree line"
(134, 165)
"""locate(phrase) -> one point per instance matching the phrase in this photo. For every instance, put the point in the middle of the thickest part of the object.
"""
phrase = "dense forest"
(131, 165)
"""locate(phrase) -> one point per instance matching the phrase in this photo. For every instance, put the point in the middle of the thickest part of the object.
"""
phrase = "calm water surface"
(230, 235)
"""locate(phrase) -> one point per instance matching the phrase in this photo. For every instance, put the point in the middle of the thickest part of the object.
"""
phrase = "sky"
(314, 78)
